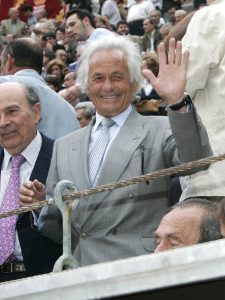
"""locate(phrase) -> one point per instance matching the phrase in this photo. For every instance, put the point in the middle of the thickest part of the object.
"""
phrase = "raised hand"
(170, 83)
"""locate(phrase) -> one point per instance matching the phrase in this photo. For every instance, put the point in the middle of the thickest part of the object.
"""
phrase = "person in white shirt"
(137, 13)
(205, 83)
(110, 12)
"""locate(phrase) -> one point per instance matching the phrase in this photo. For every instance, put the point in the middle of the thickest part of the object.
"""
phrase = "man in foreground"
(120, 144)
(188, 223)
(24, 154)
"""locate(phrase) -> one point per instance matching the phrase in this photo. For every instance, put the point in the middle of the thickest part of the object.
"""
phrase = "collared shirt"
(113, 131)
(30, 154)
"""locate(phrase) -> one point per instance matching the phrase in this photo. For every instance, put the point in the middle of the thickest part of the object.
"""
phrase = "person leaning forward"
(23, 251)
(121, 223)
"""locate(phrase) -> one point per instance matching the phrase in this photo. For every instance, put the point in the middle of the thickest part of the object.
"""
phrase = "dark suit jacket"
(39, 253)
(145, 42)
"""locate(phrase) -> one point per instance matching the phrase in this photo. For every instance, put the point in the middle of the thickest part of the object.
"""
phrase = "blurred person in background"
(12, 27)
(84, 112)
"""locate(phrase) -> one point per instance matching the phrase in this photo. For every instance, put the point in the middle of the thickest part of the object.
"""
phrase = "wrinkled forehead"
(110, 54)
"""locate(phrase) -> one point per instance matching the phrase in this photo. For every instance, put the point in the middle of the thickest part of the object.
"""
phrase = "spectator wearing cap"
(12, 27)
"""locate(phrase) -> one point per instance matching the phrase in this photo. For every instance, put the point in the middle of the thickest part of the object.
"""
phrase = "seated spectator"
(190, 222)
(47, 56)
(139, 11)
(60, 35)
(157, 17)
(179, 15)
(60, 53)
(100, 22)
(148, 101)
(12, 27)
(53, 82)
(48, 40)
(69, 79)
(151, 38)
(28, 13)
(122, 28)
(164, 31)
(41, 27)
(85, 112)
(56, 67)
(110, 12)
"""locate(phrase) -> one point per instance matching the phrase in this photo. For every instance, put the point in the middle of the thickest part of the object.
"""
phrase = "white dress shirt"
(30, 154)
(113, 131)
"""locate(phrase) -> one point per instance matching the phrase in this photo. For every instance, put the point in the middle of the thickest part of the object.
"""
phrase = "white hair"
(129, 49)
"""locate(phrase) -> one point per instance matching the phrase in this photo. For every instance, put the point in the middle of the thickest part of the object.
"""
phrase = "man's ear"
(86, 21)
(37, 112)
(10, 64)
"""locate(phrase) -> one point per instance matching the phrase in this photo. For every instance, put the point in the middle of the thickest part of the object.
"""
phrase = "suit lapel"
(78, 157)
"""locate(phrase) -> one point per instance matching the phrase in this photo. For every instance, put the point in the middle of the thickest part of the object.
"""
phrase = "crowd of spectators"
(50, 59)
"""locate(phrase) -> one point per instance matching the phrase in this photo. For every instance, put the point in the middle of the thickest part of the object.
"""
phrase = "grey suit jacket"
(17, 29)
(121, 223)
(57, 115)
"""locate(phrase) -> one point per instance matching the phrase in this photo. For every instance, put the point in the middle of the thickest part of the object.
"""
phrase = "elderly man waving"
(119, 144)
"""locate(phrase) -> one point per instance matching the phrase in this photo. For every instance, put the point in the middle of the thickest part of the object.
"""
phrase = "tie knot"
(107, 122)
(17, 160)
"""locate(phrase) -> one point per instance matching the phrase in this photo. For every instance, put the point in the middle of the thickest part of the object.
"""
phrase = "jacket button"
(83, 236)
(114, 231)
(132, 195)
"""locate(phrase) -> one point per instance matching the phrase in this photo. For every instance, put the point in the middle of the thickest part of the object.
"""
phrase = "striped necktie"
(97, 153)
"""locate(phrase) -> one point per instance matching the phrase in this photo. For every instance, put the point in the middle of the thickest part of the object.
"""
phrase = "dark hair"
(60, 28)
(27, 7)
(49, 53)
(81, 14)
(26, 52)
(210, 229)
(48, 34)
(59, 47)
(122, 22)
(54, 80)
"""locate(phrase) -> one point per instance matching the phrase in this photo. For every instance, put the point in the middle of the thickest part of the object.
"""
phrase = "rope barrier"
(122, 183)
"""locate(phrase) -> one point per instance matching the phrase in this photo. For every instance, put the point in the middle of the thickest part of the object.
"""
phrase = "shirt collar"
(118, 119)
(30, 153)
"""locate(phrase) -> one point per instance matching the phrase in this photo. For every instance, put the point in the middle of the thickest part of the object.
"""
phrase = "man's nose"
(107, 85)
(161, 247)
(3, 121)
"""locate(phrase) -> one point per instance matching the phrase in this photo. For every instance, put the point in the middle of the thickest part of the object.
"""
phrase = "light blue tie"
(97, 152)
